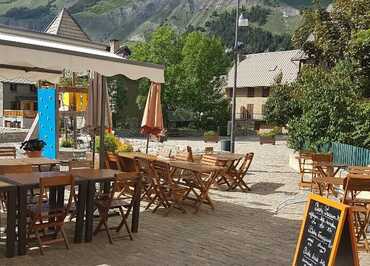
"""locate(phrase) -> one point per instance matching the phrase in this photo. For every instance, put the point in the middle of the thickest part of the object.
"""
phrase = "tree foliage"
(195, 66)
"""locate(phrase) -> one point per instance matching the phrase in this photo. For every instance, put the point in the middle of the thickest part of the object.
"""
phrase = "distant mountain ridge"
(134, 19)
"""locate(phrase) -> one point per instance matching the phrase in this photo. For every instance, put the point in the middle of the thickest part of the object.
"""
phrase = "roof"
(260, 70)
(66, 26)
(26, 55)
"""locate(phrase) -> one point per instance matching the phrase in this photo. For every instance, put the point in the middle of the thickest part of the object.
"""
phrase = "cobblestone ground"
(243, 230)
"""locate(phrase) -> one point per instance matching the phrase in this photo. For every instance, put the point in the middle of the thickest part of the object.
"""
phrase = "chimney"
(114, 46)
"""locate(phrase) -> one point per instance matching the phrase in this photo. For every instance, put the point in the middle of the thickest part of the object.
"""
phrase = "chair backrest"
(122, 184)
(112, 161)
(80, 164)
(47, 183)
(208, 150)
(244, 167)
(322, 157)
(21, 168)
(162, 173)
(208, 159)
(354, 184)
(304, 160)
(185, 156)
(143, 165)
(8, 152)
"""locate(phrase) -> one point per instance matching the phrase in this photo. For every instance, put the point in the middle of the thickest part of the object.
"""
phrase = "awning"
(36, 59)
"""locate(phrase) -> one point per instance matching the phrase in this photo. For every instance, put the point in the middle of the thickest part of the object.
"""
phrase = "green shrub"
(210, 134)
(67, 143)
(110, 143)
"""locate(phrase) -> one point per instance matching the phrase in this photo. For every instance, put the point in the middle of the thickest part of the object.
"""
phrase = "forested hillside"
(135, 19)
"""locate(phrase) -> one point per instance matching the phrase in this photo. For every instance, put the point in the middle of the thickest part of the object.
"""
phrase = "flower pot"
(267, 140)
(33, 154)
(211, 138)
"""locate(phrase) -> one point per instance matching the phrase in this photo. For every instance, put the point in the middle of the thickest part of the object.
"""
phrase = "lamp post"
(240, 21)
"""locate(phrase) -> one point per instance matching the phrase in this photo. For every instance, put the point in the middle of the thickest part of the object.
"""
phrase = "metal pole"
(233, 110)
(102, 123)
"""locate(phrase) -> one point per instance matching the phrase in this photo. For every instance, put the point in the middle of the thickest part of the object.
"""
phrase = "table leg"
(136, 207)
(11, 221)
(22, 223)
(89, 211)
(80, 211)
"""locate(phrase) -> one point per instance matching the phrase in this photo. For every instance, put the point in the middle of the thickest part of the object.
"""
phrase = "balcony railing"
(20, 113)
(247, 116)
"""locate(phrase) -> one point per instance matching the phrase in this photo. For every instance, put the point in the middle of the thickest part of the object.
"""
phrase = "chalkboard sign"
(326, 237)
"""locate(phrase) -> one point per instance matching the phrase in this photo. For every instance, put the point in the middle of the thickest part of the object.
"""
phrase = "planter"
(214, 138)
(33, 154)
(267, 140)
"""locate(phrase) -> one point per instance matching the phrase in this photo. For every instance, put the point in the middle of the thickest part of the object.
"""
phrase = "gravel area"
(243, 230)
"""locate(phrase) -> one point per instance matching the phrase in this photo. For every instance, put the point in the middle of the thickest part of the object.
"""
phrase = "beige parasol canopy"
(152, 122)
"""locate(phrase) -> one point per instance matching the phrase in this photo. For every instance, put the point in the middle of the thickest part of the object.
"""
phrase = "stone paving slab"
(243, 230)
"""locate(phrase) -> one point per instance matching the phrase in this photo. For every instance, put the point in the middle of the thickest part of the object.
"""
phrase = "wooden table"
(27, 181)
(202, 182)
(328, 168)
(128, 159)
(11, 197)
(93, 176)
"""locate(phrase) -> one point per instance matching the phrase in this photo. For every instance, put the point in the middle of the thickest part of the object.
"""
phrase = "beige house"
(256, 74)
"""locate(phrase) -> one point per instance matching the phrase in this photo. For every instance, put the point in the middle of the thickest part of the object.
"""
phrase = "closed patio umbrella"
(152, 123)
(97, 98)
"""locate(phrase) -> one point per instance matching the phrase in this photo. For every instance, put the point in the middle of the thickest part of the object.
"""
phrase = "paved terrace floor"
(243, 230)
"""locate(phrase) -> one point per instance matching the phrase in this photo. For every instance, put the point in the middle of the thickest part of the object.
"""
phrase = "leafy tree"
(194, 64)
(329, 101)
(282, 105)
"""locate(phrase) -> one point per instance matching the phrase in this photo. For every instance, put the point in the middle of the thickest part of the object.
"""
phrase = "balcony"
(246, 116)
(20, 113)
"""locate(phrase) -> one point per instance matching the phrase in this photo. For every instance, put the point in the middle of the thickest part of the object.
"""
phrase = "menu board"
(325, 235)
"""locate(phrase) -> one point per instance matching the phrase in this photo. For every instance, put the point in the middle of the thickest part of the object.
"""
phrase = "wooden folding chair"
(322, 168)
(169, 194)
(8, 152)
(116, 198)
(143, 166)
(360, 207)
(234, 178)
(45, 217)
(305, 167)
(185, 156)
(112, 161)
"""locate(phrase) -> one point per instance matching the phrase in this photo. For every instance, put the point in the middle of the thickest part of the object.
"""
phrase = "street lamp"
(240, 21)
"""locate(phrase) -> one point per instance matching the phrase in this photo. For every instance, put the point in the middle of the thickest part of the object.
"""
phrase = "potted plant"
(211, 136)
(269, 137)
(33, 147)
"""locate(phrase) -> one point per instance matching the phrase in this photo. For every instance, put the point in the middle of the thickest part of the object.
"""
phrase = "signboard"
(327, 236)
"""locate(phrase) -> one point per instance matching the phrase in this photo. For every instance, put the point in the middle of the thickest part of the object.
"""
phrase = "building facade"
(257, 73)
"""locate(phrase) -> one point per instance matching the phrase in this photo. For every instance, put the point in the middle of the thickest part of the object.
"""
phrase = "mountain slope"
(133, 19)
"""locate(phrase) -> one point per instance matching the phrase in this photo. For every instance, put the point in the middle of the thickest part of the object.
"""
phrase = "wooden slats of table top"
(226, 156)
(94, 174)
(196, 167)
(33, 178)
(24, 161)
(133, 155)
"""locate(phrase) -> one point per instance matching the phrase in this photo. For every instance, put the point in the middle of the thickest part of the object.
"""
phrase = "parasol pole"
(147, 143)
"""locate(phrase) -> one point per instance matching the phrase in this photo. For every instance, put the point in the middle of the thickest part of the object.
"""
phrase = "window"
(250, 111)
(13, 87)
(265, 92)
(250, 92)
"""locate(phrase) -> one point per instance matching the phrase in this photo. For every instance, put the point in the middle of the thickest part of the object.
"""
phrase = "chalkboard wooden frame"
(344, 217)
